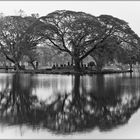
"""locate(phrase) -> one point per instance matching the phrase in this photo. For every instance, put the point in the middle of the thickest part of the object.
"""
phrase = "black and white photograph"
(69, 69)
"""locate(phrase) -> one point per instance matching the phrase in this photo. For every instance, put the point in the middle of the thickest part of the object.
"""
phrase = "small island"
(67, 42)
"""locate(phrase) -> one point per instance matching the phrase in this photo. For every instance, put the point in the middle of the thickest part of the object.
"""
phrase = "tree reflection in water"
(72, 112)
(16, 102)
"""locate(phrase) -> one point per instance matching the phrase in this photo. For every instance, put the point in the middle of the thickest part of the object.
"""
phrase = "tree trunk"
(16, 63)
(72, 61)
(131, 67)
(17, 66)
(81, 63)
(33, 65)
(99, 69)
(77, 64)
(99, 65)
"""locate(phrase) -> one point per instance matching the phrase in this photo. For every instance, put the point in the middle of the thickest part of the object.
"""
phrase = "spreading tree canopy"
(122, 41)
(80, 34)
(12, 40)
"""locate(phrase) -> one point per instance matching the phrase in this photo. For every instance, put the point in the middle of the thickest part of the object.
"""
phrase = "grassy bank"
(66, 71)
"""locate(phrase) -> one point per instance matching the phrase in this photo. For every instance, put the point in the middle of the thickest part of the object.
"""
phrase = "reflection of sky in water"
(5, 79)
(50, 85)
(89, 82)
(45, 86)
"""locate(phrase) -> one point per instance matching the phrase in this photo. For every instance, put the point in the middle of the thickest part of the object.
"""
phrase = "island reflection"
(105, 104)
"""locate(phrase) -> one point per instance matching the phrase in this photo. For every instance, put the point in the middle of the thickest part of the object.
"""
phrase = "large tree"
(121, 45)
(12, 32)
(126, 41)
(68, 31)
(79, 34)
(30, 44)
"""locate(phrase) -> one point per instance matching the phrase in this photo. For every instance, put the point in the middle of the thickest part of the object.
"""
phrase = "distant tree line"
(77, 34)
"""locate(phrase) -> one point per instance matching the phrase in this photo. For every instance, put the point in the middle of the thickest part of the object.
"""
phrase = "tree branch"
(64, 45)
(94, 47)
(7, 57)
(58, 47)
(97, 44)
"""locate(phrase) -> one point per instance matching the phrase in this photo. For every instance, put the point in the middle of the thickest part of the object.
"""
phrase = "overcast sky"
(127, 10)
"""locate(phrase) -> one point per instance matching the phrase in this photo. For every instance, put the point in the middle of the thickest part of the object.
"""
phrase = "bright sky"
(127, 10)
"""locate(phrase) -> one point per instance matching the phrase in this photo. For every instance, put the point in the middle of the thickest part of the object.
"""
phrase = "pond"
(69, 106)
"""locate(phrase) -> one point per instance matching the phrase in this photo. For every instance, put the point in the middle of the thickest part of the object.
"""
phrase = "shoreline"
(68, 72)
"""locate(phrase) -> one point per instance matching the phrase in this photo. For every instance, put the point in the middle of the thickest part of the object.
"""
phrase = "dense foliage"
(77, 34)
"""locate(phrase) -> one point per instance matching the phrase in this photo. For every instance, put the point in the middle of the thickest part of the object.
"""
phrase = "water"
(66, 106)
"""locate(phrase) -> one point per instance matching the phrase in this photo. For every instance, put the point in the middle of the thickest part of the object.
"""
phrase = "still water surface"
(66, 106)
